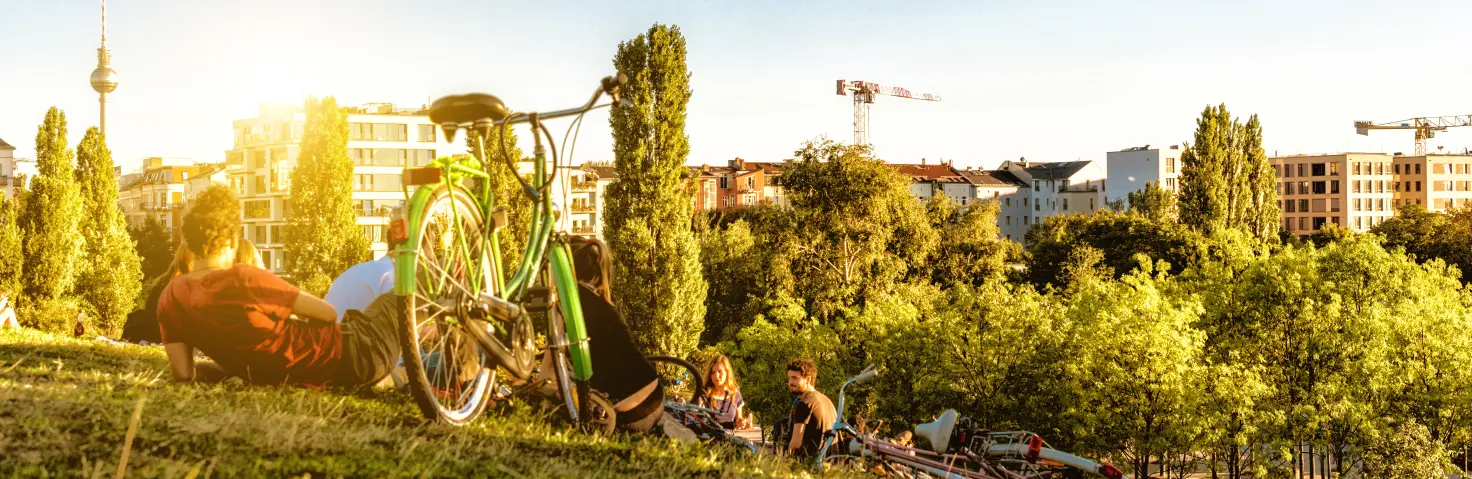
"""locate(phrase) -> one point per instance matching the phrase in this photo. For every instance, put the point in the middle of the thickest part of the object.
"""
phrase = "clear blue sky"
(1051, 81)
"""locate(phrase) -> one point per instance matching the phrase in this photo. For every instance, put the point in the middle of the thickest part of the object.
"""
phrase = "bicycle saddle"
(467, 108)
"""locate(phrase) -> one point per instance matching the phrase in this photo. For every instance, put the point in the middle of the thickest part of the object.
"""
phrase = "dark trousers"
(370, 344)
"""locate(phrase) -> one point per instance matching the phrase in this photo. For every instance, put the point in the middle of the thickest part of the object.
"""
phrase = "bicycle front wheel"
(444, 364)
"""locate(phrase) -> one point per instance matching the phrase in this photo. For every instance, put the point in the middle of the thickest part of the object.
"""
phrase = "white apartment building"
(1011, 194)
(1130, 169)
(14, 171)
(928, 180)
(382, 141)
(580, 190)
(1439, 182)
(1069, 187)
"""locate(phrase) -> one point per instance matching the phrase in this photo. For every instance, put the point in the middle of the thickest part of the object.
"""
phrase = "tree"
(1226, 181)
(12, 256)
(657, 278)
(731, 261)
(322, 234)
(1154, 203)
(1427, 235)
(1405, 451)
(110, 279)
(155, 246)
(971, 249)
(50, 222)
(1119, 236)
(856, 232)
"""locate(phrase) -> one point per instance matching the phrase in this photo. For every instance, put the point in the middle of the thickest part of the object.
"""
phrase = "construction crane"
(863, 93)
(1426, 127)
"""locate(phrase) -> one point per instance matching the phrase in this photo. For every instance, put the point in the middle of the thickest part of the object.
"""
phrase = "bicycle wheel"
(443, 362)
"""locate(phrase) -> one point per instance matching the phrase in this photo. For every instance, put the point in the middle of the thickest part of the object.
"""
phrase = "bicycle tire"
(443, 207)
(689, 367)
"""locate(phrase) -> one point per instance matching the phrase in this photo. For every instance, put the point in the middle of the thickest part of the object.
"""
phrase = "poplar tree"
(322, 237)
(110, 274)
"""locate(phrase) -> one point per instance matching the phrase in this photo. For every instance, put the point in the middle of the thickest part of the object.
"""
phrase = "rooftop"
(925, 173)
(5, 145)
(992, 178)
(1055, 171)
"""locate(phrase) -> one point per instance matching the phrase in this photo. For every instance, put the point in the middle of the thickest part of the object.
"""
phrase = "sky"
(1046, 80)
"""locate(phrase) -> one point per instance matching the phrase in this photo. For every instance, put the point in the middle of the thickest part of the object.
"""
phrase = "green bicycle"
(462, 319)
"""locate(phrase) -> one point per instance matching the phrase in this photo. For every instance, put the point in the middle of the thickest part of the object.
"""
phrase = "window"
(1397, 168)
(266, 258)
(1037, 185)
(1290, 206)
(1170, 184)
(1303, 188)
(1009, 220)
(1024, 220)
(1333, 169)
(1065, 204)
(1007, 202)
(1303, 206)
(1290, 188)
(1358, 204)
(1170, 165)
(1319, 187)
(1024, 202)
(1287, 171)
(1334, 186)
(276, 234)
(260, 184)
(1418, 168)
(1359, 222)
(1317, 169)
(258, 159)
(426, 133)
(1356, 167)
(256, 209)
(1379, 186)
(261, 235)
(1334, 205)
(1037, 206)
(1303, 223)
(725, 182)
(750, 182)
(1300, 169)
(1357, 186)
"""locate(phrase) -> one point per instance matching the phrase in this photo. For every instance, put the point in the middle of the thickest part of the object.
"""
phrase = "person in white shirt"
(364, 282)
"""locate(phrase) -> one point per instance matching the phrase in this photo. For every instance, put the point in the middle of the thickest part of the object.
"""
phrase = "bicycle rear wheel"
(571, 392)
(444, 364)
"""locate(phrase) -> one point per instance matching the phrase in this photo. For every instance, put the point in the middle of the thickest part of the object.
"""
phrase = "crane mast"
(863, 93)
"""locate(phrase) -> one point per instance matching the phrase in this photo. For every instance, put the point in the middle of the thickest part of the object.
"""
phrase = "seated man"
(357, 287)
(241, 316)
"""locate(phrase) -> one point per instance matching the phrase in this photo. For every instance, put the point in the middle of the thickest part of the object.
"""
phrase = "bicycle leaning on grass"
(959, 450)
(462, 319)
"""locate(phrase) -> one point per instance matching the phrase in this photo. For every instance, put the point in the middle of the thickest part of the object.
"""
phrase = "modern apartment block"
(155, 190)
(1439, 182)
(1130, 169)
(382, 140)
(1356, 190)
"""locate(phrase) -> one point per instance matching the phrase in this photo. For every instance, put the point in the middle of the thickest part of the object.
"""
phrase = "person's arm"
(796, 442)
(312, 307)
(181, 361)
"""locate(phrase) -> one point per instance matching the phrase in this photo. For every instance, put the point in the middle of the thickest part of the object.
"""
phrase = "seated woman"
(723, 395)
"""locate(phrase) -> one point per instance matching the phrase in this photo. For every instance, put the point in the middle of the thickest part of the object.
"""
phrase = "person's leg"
(7, 319)
(370, 345)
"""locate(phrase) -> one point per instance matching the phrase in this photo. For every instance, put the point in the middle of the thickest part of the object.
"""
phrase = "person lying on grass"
(242, 316)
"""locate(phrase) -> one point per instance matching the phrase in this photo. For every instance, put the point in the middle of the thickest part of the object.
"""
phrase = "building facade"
(14, 172)
(1060, 188)
(1131, 169)
(155, 190)
(1012, 197)
(382, 141)
(1438, 182)
(1354, 190)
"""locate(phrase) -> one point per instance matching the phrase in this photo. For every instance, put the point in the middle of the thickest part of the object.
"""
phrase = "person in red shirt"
(255, 325)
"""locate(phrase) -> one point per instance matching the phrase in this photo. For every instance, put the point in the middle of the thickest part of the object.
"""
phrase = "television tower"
(104, 78)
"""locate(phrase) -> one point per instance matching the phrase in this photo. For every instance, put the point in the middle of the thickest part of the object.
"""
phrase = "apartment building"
(155, 190)
(1438, 182)
(14, 171)
(927, 180)
(1131, 169)
(743, 183)
(1060, 188)
(1355, 190)
(382, 140)
(581, 190)
(1012, 197)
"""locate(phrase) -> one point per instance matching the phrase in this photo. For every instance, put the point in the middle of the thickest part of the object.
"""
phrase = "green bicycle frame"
(540, 239)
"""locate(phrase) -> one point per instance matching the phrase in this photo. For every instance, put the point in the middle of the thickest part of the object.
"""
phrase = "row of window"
(390, 156)
(1309, 169)
(378, 182)
(378, 132)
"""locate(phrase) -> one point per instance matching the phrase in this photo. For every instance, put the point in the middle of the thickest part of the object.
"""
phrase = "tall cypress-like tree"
(657, 277)
(53, 211)
(12, 257)
(1226, 181)
(110, 274)
(322, 234)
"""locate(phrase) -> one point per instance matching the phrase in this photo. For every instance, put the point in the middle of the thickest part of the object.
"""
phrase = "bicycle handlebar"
(609, 85)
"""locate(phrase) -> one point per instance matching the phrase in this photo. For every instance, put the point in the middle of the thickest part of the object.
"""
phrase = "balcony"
(379, 211)
(582, 230)
(582, 208)
(584, 185)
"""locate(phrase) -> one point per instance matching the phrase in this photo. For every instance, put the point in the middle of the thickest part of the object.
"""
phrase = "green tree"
(322, 234)
(732, 263)
(53, 212)
(1154, 202)
(1226, 181)
(1405, 451)
(111, 278)
(657, 278)
(1427, 234)
(856, 232)
(12, 257)
(155, 246)
(970, 248)
(1118, 236)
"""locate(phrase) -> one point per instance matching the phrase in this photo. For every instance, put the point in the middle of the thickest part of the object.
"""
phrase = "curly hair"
(805, 367)
(213, 222)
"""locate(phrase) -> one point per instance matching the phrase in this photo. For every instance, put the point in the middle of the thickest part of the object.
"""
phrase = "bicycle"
(973, 454)
(699, 419)
(462, 320)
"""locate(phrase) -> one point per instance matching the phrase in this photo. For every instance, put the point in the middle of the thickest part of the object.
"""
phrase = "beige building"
(1438, 182)
(156, 189)
(580, 190)
(1356, 190)
(14, 171)
(382, 141)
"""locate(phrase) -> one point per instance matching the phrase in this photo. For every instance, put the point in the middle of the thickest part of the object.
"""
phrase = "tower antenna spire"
(104, 78)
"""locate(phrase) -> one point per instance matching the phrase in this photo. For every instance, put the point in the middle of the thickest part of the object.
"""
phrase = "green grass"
(66, 406)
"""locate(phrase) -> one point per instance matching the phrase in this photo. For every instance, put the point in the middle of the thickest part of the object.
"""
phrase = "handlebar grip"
(866, 375)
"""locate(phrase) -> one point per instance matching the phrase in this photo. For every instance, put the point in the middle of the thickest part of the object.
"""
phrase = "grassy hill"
(66, 407)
